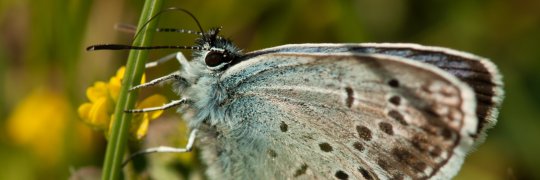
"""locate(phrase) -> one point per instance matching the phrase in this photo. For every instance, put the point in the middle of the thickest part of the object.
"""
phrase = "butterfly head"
(216, 52)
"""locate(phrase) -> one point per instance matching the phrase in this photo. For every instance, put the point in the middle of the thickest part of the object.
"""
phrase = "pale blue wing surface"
(479, 73)
(322, 116)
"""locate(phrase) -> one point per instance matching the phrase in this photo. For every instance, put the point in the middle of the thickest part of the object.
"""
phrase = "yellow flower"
(103, 98)
(142, 119)
(97, 111)
(39, 122)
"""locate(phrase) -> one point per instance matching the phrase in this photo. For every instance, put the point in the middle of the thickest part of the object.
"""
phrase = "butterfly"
(331, 111)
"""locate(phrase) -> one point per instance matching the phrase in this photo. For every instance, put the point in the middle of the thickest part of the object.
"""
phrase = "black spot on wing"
(365, 173)
(325, 147)
(364, 132)
(406, 157)
(272, 153)
(302, 170)
(395, 100)
(386, 128)
(341, 175)
(284, 127)
(358, 146)
(393, 83)
(397, 116)
(350, 96)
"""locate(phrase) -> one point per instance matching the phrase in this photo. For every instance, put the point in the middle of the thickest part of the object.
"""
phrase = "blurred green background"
(44, 70)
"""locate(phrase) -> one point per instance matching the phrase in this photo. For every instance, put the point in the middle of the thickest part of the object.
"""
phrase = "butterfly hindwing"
(479, 73)
(338, 115)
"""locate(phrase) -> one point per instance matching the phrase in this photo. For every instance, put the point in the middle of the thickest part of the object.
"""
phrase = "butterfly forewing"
(479, 73)
(340, 115)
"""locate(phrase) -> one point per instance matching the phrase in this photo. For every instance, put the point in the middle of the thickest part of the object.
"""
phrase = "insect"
(331, 111)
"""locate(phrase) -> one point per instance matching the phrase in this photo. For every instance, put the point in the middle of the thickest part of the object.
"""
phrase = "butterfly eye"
(214, 58)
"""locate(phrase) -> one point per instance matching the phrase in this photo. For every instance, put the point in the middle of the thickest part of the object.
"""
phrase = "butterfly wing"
(339, 115)
(479, 73)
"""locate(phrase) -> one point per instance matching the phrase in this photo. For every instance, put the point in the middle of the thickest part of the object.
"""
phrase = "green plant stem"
(134, 69)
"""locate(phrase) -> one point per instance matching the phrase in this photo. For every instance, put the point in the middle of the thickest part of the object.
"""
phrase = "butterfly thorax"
(202, 77)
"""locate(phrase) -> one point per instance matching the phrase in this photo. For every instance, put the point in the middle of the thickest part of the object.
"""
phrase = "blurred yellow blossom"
(39, 123)
(103, 98)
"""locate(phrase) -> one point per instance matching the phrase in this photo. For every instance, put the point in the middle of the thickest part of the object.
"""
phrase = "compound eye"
(214, 58)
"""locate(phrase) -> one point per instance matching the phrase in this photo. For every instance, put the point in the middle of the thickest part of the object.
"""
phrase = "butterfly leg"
(166, 149)
(175, 75)
(165, 106)
(178, 55)
(183, 61)
(160, 60)
(126, 28)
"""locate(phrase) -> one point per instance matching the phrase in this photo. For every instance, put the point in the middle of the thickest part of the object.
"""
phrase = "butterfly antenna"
(168, 10)
(125, 47)
(186, 31)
